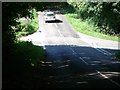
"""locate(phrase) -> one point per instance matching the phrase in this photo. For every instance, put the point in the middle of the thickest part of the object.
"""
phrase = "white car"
(49, 16)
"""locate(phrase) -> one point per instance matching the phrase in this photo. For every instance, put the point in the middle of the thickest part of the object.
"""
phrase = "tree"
(105, 15)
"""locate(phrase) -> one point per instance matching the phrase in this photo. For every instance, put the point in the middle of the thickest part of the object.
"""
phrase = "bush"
(32, 26)
(24, 55)
(105, 15)
(28, 26)
(117, 54)
(29, 52)
(21, 63)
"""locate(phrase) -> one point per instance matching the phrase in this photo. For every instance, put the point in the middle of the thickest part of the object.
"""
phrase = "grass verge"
(30, 52)
(23, 65)
(87, 28)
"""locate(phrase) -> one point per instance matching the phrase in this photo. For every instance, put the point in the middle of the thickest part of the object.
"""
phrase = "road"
(71, 61)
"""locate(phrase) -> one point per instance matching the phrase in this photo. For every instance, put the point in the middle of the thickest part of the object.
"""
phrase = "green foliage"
(87, 28)
(21, 64)
(105, 15)
(117, 54)
(19, 60)
(33, 14)
(28, 26)
(23, 56)
(32, 26)
(33, 53)
(10, 12)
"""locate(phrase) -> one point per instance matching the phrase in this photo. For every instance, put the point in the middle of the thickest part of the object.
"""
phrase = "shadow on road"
(64, 68)
(69, 71)
(56, 21)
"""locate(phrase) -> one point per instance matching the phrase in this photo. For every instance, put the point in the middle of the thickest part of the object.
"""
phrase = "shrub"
(27, 26)
(117, 54)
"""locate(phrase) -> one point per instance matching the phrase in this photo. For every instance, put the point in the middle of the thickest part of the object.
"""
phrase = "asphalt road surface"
(71, 62)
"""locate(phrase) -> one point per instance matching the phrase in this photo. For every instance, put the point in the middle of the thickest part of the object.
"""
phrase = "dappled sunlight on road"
(80, 66)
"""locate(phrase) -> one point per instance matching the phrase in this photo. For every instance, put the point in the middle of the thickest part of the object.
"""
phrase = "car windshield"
(50, 14)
